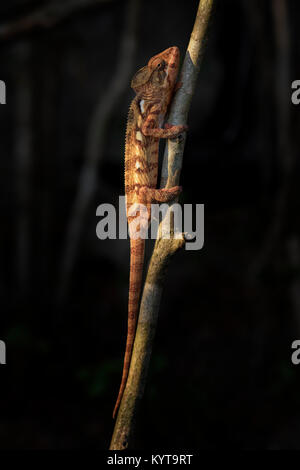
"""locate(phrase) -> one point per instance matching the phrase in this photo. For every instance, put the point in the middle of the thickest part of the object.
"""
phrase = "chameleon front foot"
(160, 195)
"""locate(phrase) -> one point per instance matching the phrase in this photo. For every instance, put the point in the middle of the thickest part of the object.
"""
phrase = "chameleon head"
(160, 74)
(165, 66)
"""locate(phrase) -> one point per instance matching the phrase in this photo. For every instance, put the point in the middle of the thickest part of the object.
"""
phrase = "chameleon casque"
(154, 86)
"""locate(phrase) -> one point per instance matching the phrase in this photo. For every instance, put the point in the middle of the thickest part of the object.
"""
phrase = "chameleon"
(154, 85)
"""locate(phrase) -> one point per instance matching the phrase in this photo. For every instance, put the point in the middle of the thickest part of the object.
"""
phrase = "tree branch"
(164, 249)
(45, 17)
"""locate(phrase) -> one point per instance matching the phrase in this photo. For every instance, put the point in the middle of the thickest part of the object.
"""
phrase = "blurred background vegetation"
(221, 373)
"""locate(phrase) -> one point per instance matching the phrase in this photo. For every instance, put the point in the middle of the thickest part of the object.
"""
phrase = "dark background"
(221, 374)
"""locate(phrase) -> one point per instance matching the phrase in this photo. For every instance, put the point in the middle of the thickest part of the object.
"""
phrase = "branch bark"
(164, 249)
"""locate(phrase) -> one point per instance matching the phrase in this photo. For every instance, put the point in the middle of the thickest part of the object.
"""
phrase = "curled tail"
(137, 248)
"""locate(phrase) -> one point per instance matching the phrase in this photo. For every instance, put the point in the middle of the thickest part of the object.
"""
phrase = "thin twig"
(95, 145)
(45, 17)
(164, 248)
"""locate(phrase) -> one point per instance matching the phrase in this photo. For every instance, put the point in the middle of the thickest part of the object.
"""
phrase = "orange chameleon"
(154, 86)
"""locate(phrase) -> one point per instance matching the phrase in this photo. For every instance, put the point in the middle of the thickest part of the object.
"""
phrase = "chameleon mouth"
(173, 55)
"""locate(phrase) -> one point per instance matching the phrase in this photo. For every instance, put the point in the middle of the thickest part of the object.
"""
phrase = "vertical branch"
(173, 155)
(95, 145)
(164, 249)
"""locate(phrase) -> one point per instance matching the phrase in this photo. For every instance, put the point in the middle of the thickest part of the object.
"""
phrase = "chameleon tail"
(137, 249)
